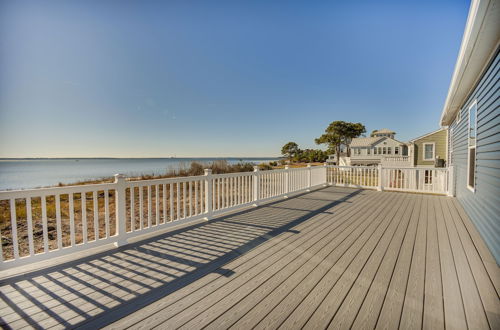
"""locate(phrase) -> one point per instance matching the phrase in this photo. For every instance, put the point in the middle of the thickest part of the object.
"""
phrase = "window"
(368, 151)
(428, 151)
(384, 150)
(389, 151)
(374, 151)
(380, 150)
(450, 145)
(428, 177)
(471, 155)
(396, 150)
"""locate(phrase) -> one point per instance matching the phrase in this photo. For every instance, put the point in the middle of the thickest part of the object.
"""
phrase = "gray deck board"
(333, 258)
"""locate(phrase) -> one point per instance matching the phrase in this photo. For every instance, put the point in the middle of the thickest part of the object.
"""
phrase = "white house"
(375, 149)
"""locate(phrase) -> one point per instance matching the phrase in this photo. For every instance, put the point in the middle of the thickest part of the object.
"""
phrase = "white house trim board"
(433, 150)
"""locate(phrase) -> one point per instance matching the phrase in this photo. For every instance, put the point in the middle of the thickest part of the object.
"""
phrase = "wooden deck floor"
(333, 258)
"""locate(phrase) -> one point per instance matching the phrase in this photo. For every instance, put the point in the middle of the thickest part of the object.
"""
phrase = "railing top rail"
(77, 188)
(396, 167)
(396, 156)
(38, 192)
(136, 183)
(345, 166)
(232, 175)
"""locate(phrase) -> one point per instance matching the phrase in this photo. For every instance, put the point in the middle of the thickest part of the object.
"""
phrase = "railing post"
(325, 164)
(451, 182)
(208, 194)
(287, 180)
(256, 186)
(121, 209)
(309, 173)
(380, 178)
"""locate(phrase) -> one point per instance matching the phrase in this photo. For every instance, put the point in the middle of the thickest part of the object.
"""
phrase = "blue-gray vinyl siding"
(483, 205)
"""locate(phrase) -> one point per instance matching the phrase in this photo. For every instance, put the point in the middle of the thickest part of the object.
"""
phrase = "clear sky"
(217, 78)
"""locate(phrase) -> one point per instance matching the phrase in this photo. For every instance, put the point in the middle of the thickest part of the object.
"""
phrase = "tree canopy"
(290, 150)
(340, 133)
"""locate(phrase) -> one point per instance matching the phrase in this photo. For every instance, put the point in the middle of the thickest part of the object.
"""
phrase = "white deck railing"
(40, 224)
(403, 161)
(409, 179)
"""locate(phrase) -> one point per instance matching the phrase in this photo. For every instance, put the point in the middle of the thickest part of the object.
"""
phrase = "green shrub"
(265, 167)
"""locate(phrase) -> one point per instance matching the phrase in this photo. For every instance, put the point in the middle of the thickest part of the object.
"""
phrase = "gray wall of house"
(483, 205)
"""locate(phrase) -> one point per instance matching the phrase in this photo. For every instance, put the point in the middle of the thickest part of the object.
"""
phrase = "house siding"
(483, 205)
(439, 138)
(364, 159)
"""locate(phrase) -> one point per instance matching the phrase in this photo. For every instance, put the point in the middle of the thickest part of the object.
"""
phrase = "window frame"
(433, 144)
(469, 147)
(450, 144)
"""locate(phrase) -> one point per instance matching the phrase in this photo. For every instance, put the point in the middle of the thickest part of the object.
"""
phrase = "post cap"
(119, 177)
(308, 165)
(287, 167)
(208, 171)
(255, 168)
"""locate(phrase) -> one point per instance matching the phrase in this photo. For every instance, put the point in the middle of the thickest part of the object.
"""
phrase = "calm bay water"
(32, 173)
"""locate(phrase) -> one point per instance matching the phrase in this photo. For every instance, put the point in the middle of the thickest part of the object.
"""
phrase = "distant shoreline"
(73, 158)
(27, 173)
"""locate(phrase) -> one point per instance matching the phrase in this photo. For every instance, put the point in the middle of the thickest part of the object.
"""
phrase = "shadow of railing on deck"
(97, 290)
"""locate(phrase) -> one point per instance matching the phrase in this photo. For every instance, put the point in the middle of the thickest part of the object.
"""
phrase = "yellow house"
(430, 149)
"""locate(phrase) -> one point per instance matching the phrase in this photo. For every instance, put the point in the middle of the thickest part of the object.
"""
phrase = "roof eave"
(426, 135)
(479, 45)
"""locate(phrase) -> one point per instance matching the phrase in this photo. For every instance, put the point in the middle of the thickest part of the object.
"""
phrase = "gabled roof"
(426, 135)
(384, 131)
(480, 41)
(365, 142)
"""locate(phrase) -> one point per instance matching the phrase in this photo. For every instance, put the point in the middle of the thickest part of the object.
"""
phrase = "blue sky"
(217, 78)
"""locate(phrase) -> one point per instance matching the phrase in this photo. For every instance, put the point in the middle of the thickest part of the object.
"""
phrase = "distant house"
(383, 133)
(472, 115)
(380, 145)
(429, 149)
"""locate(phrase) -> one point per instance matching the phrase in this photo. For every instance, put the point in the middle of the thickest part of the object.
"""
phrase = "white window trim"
(473, 189)
(449, 146)
(433, 151)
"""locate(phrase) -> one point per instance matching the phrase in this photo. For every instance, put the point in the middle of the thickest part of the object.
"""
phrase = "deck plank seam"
(353, 194)
(447, 242)
(346, 267)
(392, 272)
(374, 216)
(470, 267)
(377, 268)
(263, 270)
(305, 262)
